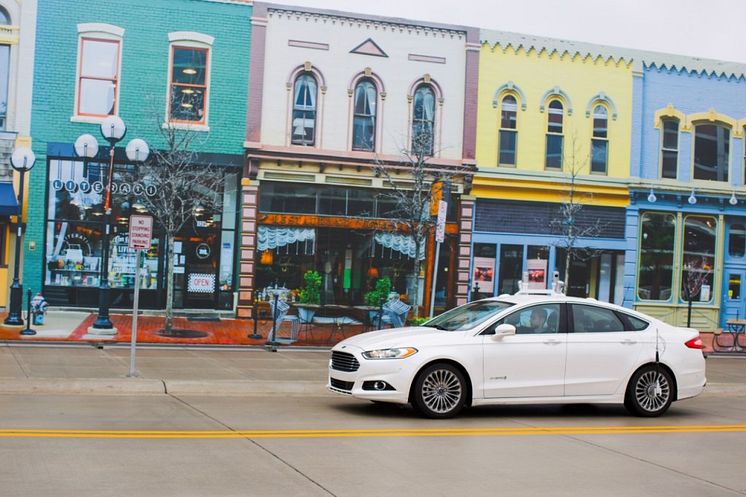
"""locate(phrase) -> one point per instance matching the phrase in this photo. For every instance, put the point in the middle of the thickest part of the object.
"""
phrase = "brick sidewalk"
(73, 327)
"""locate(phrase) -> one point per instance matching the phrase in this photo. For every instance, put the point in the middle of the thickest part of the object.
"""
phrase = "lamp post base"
(27, 332)
(92, 330)
(14, 306)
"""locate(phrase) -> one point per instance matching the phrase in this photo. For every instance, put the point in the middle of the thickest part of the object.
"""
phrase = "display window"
(74, 239)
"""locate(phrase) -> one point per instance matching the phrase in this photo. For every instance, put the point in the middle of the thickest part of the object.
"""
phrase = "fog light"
(377, 385)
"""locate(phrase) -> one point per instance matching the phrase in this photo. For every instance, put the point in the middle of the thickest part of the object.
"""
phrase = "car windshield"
(467, 316)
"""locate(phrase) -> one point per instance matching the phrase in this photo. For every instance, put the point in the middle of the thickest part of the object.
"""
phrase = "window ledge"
(88, 119)
(188, 127)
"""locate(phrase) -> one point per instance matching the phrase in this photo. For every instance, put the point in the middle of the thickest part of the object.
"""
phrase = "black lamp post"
(22, 161)
(113, 130)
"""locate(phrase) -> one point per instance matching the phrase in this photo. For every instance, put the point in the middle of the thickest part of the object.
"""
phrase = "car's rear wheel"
(439, 391)
(650, 392)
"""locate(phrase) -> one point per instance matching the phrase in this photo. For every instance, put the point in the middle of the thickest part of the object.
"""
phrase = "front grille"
(341, 385)
(342, 361)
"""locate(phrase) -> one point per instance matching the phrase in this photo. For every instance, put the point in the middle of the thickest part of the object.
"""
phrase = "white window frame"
(189, 39)
(97, 31)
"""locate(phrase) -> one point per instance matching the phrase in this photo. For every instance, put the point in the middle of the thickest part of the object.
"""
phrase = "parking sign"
(141, 232)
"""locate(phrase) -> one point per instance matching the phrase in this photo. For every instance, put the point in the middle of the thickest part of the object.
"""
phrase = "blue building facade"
(686, 222)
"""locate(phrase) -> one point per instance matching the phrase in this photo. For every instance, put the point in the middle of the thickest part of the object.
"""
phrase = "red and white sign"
(201, 283)
(141, 232)
(440, 227)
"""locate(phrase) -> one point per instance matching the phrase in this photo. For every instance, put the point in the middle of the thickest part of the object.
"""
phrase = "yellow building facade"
(553, 117)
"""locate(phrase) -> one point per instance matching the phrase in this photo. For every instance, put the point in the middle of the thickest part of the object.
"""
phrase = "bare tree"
(411, 201)
(180, 190)
(569, 224)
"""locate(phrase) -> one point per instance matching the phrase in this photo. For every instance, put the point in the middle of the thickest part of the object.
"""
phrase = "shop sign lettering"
(85, 186)
(201, 283)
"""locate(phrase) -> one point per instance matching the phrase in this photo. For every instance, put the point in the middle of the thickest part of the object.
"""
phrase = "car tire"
(439, 391)
(650, 392)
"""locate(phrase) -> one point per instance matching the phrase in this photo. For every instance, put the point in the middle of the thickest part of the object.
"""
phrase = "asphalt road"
(165, 445)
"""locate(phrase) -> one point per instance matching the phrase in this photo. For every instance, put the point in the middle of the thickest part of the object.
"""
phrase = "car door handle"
(628, 342)
(552, 342)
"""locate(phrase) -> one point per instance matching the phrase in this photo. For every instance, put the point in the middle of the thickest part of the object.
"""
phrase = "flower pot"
(305, 314)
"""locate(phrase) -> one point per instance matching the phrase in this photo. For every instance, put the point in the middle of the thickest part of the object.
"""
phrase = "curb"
(112, 386)
(143, 386)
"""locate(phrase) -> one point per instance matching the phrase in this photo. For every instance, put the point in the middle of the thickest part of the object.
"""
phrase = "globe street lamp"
(113, 130)
(22, 161)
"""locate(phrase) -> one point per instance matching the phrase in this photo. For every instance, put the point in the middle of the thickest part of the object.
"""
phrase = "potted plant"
(373, 297)
(309, 295)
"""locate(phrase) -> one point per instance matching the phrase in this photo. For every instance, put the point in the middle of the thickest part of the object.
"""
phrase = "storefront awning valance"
(8, 202)
(401, 243)
(271, 237)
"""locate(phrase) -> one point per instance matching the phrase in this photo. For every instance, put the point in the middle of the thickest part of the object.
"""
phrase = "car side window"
(591, 319)
(543, 318)
(632, 323)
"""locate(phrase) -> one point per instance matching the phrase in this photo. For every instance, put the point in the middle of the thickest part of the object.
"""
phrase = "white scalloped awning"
(271, 237)
(401, 243)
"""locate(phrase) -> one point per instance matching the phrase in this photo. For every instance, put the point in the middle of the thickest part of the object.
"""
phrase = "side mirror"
(504, 330)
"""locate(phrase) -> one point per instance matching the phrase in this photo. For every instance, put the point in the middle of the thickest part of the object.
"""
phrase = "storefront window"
(485, 259)
(734, 286)
(74, 241)
(537, 261)
(699, 258)
(737, 241)
(657, 236)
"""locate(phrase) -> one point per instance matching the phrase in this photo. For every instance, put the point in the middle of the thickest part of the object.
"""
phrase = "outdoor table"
(735, 327)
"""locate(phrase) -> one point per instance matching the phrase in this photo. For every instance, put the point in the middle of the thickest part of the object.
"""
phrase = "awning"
(8, 202)
(271, 237)
(401, 243)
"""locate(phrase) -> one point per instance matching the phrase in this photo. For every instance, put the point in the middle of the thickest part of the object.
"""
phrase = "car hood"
(397, 337)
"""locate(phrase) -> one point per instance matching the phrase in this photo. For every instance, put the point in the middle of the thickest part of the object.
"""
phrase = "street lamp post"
(22, 161)
(113, 130)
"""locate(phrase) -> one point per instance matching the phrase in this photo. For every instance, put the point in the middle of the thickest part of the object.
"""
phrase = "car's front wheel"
(439, 391)
(650, 392)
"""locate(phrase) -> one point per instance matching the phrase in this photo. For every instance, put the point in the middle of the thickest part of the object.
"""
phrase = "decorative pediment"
(369, 47)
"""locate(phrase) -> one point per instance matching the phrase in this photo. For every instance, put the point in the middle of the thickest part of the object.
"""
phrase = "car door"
(602, 350)
(530, 363)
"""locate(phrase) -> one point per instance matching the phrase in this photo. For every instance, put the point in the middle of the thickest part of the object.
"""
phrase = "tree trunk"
(568, 257)
(415, 296)
(169, 326)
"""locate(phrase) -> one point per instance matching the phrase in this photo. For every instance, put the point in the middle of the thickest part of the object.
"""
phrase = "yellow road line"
(378, 432)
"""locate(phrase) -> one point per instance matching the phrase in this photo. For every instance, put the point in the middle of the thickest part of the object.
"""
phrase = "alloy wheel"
(442, 391)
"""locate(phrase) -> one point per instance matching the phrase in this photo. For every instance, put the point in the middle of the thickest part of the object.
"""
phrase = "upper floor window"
(744, 159)
(304, 110)
(508, 131)
(711, 152)
(423, 120)
(364, 121)
(669, 148)
(189, 85)
(600, 140)
(4, 78)
(4, 17)
(555, 135)
(98, 76)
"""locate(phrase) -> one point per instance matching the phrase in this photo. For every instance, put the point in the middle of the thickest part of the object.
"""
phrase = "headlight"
(399, 353)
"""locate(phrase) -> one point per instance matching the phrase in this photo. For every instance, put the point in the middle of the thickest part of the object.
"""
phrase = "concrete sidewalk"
(73, 369)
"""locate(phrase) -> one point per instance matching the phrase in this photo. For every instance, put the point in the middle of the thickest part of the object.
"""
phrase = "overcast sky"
(714, 29)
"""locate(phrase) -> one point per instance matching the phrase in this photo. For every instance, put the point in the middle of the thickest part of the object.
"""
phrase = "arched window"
(555, 136)
(423, 120)
(600, 140)
(304, 110)
(4, 17)
(669, 147)
(711, 152)
(508, 132)
(364, 122)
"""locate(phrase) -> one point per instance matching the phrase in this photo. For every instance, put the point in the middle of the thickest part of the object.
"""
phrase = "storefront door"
(734, 304)
(201, 256)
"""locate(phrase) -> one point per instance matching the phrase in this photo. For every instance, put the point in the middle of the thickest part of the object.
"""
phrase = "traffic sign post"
(140, 238)
(440, 236)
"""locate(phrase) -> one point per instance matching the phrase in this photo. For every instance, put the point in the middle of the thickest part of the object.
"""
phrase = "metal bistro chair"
(395, 313)
(282, 316)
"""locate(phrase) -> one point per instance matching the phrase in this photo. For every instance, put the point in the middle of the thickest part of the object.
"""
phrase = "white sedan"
(524, 349)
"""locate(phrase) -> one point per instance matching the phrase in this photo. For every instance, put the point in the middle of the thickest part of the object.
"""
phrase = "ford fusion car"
(524, 349)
